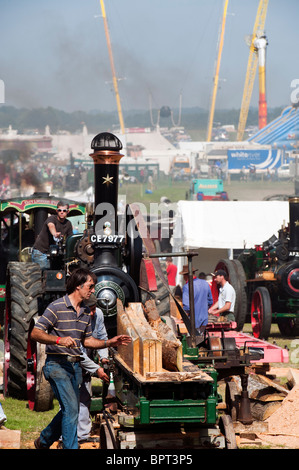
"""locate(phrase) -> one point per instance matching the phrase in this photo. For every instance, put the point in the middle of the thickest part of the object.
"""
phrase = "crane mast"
(114, 79)
(255, 53)
(216, 77)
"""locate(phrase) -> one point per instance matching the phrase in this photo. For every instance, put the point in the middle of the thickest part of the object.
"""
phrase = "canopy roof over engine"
(39, 200)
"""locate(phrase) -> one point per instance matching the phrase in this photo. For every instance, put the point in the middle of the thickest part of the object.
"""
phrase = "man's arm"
(101, 332)
(45, 338)
(90, 366)
(94, 343)
(225, 308)
(52, 230)
(214, 308)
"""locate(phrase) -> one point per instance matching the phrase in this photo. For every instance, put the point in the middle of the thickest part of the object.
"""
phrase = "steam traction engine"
(185, 399)
(266, 280)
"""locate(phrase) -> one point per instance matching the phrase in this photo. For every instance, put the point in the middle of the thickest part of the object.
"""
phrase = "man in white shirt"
(225, 304)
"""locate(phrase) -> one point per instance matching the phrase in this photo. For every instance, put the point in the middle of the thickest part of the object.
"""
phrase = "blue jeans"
(40, 258)
(65, 379)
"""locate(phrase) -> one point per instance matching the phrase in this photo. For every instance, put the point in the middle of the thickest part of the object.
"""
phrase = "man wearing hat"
(91, 368)
(226, 299)
(202, 299)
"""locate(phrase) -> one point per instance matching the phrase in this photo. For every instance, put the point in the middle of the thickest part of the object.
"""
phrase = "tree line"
(23, 119)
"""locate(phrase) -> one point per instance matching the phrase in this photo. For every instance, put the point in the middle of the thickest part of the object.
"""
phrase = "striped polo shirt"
(60, 319)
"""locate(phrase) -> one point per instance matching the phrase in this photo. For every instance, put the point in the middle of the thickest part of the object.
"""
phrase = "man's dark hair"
(61, 203)
(77, 278)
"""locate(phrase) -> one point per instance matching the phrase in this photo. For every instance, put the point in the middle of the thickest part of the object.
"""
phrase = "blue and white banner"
(261, 159)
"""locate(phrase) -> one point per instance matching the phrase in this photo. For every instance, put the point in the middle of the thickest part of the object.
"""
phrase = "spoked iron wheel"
(261, 313)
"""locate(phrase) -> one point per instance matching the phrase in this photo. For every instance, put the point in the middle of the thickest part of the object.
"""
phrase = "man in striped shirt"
(64, 325)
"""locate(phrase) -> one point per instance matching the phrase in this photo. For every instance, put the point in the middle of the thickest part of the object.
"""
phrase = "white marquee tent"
(215, 228)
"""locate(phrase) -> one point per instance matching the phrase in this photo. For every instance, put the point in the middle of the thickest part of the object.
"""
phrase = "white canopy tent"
(215, 228)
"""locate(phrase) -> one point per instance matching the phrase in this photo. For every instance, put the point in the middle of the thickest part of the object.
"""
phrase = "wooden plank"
(151, 344)
(146, 349)
(256, 427)
(293, 377)
(168, 376)
(174, 311)
(129, 353)
(10, 439)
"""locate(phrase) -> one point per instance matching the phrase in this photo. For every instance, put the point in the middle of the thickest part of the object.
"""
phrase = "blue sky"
(54, 53)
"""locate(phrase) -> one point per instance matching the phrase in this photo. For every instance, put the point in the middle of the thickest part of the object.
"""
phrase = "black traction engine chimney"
(106, 159)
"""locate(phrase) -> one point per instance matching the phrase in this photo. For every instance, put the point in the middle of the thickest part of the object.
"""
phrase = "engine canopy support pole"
(191, 302)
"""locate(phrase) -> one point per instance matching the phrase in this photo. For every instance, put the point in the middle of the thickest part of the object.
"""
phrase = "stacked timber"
(155, 353)
(144, 353)
(154, 346)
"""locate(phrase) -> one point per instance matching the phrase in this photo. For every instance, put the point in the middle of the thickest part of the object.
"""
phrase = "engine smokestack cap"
(106, 141)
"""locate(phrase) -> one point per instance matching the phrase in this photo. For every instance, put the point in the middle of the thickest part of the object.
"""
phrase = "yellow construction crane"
(216, 76)
(114, 79)
(251, 66)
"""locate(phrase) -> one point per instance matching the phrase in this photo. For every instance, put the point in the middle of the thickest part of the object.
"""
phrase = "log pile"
(265, 395)
(171, 346)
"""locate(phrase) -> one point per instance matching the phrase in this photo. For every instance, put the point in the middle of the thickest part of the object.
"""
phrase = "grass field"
(176, 191)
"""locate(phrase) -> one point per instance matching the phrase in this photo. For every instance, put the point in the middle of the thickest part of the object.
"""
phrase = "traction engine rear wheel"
(22, 366)
(261, 313)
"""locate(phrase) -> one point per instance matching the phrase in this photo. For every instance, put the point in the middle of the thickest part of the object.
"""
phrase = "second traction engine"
(266, 280)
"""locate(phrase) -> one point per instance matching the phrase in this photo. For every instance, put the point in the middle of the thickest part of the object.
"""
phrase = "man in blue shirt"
(202, 299)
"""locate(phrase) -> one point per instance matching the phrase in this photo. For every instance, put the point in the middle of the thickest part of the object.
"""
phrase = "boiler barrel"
(294, 223)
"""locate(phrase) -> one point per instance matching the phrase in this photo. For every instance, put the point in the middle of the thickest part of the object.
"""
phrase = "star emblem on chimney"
(107, 179)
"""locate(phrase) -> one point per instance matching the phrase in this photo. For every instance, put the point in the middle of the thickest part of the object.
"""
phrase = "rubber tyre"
(242, 308)
(24, 286)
